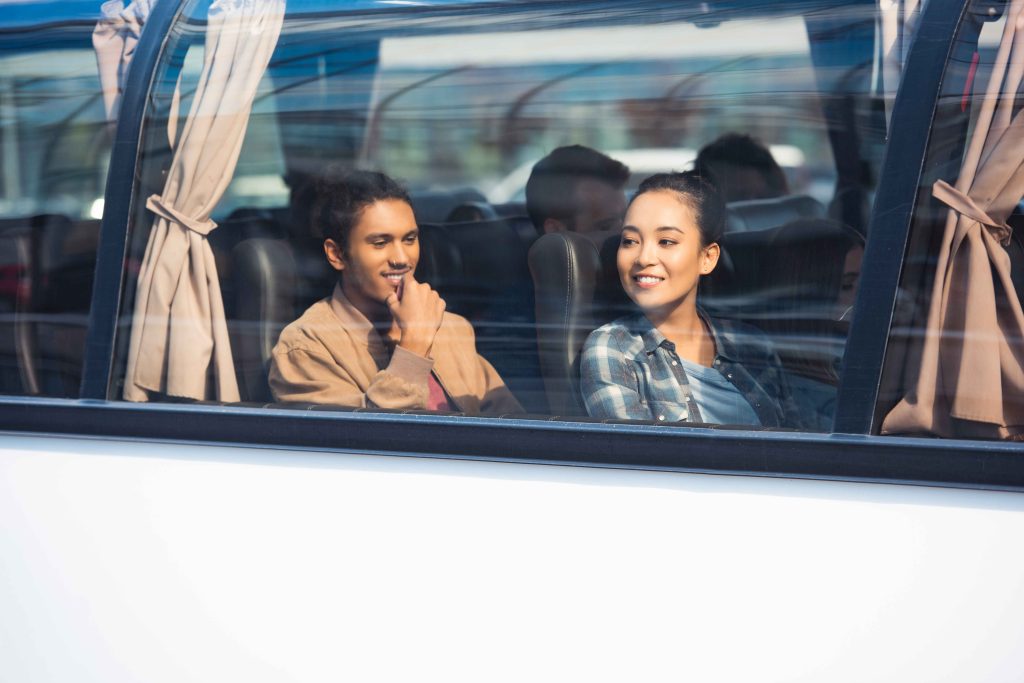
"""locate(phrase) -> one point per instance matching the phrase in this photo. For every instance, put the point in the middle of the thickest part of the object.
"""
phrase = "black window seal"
(844, 457)
(986, 465)
(108, 283)
(913, 114)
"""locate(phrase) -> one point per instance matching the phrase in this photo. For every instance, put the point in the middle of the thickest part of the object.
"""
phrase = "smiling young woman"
(672, 362)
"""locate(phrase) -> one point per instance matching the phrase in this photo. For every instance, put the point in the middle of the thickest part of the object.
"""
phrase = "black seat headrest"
(761, 214)
(471, 211)
(434, 206)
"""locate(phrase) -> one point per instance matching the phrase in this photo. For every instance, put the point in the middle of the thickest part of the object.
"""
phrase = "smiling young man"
(381, 339)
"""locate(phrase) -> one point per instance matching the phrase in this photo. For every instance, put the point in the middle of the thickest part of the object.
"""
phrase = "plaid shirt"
(629, 370)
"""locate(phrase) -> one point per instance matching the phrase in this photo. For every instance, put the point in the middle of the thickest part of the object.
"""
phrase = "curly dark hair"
(341, 196)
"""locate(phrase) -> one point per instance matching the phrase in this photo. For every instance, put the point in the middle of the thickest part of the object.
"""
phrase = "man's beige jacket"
(333, 355)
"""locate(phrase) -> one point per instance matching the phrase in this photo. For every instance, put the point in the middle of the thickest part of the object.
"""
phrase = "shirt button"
(729, 375)
(661, 418)
(674, 363)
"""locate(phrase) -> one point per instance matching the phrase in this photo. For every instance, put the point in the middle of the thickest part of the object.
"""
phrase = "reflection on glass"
(461, 104)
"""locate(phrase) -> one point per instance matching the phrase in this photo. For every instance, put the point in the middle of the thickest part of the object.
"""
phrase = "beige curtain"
(114, 40)
(967, 378)
(179, 337)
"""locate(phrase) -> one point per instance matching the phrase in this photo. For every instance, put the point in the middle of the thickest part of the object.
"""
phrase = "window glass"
(54, 150)
(786, 105)
(955, 362)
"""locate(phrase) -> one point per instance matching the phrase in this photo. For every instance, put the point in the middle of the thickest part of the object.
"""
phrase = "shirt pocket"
(668, 411)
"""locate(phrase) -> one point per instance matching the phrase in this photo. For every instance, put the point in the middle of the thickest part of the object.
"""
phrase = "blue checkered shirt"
(629, 370)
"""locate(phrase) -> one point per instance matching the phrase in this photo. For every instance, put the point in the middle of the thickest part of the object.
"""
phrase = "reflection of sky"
(665, 41)
(29, 12)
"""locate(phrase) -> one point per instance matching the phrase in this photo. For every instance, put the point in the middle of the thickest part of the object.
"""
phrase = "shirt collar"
(725, 343)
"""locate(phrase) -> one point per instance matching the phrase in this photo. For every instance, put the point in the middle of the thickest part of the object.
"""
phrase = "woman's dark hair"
(341, 196)
(699, 194)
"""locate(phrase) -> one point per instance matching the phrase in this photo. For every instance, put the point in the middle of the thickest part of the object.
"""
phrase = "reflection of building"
(611, 87)
(53, 135)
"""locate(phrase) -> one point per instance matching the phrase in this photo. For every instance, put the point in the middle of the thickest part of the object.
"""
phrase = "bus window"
(955, 366)
(54, 150)
(780, 107)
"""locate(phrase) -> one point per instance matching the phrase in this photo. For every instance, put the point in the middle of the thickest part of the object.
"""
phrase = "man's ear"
(709, 259)
(554, 225)
(334, 254)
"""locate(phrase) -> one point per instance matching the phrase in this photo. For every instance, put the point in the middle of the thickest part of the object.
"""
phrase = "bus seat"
(566, 268)
(761, 214)
(480, 269)
(434, 206)
(471, 211)
(577, 290)
(48, 270)
(265, 271)
(18, 356)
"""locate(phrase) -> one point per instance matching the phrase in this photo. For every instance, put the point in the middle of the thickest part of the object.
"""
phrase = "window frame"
(851, 454)
(892, 214)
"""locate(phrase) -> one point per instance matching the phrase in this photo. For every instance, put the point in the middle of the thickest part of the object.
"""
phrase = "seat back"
(577, 290)
(47, 277)
(435, 206)
(264, 269)
(480, 269)
(762, 214)
(274, 274)
(565, 267)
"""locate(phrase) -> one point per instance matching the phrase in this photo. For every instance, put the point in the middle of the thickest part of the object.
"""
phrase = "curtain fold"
(966, 377)
(179, 337)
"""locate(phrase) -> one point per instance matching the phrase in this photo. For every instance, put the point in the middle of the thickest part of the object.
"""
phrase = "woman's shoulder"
(620, 334)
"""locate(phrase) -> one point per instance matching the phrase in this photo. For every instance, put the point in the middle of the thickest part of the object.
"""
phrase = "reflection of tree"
(663, 121)
(655, 122)
(518, 130)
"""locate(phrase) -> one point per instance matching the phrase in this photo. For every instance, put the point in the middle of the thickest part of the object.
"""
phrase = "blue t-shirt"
(718, 400)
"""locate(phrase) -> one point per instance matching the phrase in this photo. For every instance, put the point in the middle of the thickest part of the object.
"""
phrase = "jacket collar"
(358, 327)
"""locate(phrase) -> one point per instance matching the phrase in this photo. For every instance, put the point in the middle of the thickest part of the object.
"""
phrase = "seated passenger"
(671, 362)
(577, 189)
(741, 168)
(381, 339)
(814, 276)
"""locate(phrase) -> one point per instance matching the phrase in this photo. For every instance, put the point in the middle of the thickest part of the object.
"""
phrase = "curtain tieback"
(156, 204)
(965, 206)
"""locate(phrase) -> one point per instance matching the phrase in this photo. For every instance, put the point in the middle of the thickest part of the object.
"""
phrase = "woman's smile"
(647, 281)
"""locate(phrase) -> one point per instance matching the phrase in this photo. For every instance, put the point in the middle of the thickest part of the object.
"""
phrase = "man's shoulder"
(455, 323)
(306, 331)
